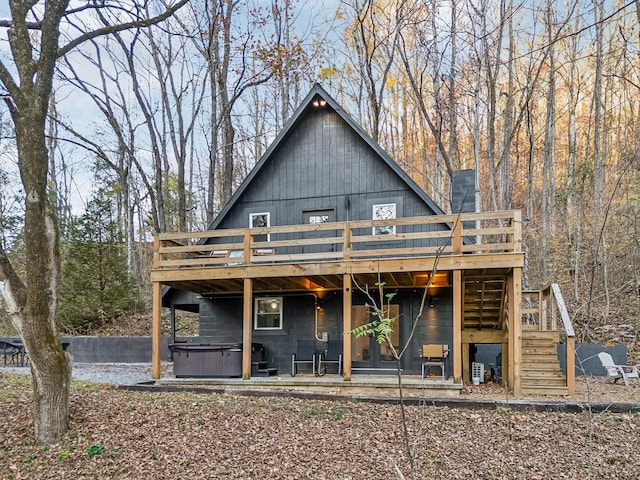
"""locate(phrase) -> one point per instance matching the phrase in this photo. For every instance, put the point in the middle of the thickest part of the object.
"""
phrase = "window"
(384, 211)
(268, 313)
(258, 220)
(313, 219)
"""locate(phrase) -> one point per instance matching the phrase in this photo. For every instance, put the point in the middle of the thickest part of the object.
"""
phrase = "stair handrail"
(571, 338)
(562, 308)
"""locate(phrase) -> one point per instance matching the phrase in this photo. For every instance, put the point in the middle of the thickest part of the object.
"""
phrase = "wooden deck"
(478, 255)
(315, 257)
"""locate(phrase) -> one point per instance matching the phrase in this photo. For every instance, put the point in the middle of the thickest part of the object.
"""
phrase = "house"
(323, 227)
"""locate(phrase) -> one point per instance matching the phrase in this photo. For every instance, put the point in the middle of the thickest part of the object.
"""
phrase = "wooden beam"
(156, 317)
(346, 326)
(515, 305)
(364, 266)
(504, 370)
(571, 365)
(457, 326)
(247, 328)
(484, 336)
(466, 376)
(156, 330)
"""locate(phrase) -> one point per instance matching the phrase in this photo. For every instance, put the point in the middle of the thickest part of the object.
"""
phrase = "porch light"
(319, 102)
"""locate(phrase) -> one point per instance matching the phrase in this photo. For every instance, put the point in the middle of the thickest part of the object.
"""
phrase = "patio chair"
(332, 355)
(305, 355)
(434, 356)
(618, 371)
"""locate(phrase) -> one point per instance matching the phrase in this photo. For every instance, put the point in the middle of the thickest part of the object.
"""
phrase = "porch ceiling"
(391, 280)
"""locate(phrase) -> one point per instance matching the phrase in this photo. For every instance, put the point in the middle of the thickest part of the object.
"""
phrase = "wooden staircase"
(541, 372)
(483, 300)
(485, 309)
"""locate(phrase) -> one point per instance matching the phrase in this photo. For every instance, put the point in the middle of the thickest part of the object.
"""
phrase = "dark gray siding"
(221, 322)
(324, 164)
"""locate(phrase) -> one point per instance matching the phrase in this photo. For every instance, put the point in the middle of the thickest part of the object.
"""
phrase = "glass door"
(366, 352)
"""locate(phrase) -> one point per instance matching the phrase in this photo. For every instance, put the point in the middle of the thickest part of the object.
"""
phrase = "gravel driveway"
(109, 373)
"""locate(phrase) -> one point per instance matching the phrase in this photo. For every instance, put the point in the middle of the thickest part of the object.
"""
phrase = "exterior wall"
(221, 322)
(324, 164)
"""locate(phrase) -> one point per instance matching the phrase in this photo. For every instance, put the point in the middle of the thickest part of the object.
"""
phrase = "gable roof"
(317, 92)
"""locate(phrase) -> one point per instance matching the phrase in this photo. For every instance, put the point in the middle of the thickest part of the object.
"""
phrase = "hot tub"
(192, 360)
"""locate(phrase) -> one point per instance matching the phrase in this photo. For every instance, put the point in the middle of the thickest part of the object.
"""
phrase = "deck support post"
(156, 330)
(504, 367)
(247, 326)
(466, 375)
(457, 326)
(514, 286)
(346, 320)
(156, 316)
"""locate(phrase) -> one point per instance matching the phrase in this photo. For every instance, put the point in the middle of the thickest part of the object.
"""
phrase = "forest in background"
(152, 130)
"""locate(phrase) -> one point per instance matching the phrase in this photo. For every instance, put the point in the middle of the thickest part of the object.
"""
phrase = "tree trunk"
(50, 366)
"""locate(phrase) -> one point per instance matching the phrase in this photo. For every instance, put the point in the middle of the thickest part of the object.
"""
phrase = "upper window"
(318, 219)
(384, 211)
(257, 220)
(314, 217)
(268, 313)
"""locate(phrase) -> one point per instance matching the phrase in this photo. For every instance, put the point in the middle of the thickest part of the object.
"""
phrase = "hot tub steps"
(261, 369)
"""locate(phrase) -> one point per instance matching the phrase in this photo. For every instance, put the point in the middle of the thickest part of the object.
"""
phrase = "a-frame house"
(299, 254)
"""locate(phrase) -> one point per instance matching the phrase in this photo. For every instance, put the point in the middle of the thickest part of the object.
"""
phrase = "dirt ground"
(120, 434)
(588, 389)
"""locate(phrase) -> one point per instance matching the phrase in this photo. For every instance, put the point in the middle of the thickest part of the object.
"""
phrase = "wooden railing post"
(517, 231)
(570, 333)
(246, 246)
(457, 235)
(346, 241)
(543, 306)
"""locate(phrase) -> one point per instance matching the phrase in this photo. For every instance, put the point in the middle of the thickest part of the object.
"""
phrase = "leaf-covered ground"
(119, 434)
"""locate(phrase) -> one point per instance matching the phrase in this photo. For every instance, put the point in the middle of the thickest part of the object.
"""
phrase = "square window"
(384, 211)
(268, 313)
(258, 220)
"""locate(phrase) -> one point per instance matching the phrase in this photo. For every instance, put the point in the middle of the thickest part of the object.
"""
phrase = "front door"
(366, 353)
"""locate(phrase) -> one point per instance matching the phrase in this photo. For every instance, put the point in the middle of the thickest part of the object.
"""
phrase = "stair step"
(548, 335)
(550, 390)
(265, 372)
(537, 356)
(539, 349)
(558, 380)
(540, 366)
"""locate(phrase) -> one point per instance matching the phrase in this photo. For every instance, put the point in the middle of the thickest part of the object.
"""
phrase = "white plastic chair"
(618, 371)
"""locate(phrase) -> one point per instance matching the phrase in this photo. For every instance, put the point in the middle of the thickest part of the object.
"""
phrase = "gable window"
(314, 217)
(258, 220)
(268, 313)
(384, 211)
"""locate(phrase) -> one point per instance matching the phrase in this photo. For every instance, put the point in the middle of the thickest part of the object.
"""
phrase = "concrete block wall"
(88, 349)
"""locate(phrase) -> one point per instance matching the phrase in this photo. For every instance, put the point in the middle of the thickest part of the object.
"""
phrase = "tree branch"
(119, 28)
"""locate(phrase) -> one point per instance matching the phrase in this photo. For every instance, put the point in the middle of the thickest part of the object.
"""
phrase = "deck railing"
(541, 310)
(342, 241)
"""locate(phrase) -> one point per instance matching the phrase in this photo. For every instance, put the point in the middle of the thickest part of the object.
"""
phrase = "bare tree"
(34, 33)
